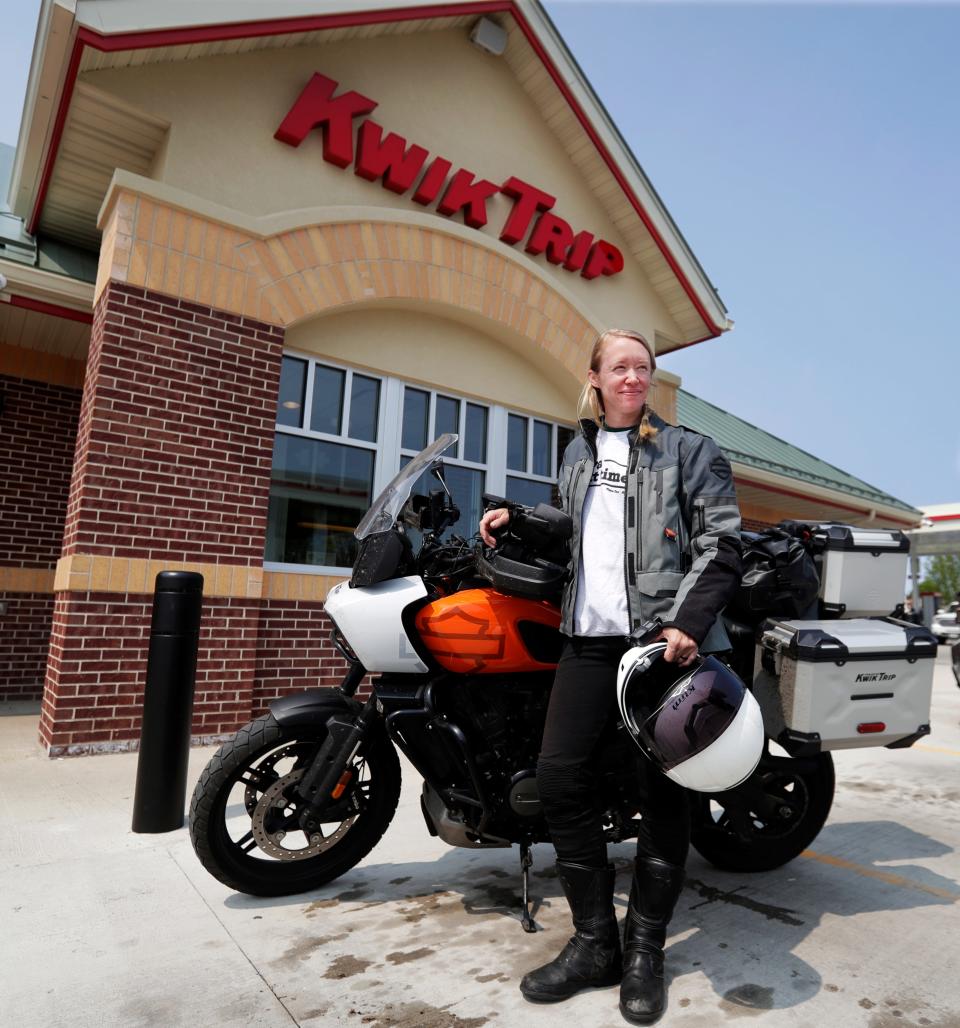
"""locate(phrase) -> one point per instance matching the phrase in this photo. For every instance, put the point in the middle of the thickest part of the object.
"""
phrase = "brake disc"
(273, 815)
(265, 771)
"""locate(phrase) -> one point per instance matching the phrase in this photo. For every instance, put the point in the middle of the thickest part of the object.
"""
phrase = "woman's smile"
(623, 380)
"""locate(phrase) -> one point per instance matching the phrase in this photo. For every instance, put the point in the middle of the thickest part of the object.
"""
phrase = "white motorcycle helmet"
(699, 724)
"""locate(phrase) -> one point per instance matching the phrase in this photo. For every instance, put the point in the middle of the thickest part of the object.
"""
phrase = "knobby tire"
(254, 875)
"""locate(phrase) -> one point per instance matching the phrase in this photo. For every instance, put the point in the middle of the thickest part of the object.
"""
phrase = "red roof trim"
(67, 313)
(713, 329)
(753, 483)
(282, 26)
(65, 97)
(941, 517)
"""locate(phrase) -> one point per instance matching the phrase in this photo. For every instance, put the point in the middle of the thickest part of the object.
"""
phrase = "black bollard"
(159, 801)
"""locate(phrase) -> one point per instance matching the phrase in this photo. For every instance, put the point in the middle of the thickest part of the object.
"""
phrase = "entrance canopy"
(939, 535)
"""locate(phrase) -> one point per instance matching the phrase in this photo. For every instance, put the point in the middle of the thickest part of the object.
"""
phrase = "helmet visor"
(693, 713)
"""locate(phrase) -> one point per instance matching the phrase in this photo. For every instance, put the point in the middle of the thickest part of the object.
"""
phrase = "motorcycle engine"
(507, 716)
(524, 796)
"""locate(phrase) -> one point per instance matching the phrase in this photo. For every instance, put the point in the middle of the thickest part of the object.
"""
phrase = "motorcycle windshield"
(387, 506)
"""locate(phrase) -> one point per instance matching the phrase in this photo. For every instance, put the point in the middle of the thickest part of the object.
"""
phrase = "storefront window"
(448, 415)
(564, 439)
(464, 470)
(535, 447)
(318, 493)
(343, 434)
(322, 477)
(516, 442)
(416, 407)
(542, 448)
(327, 411)
(293, 388)
(364, 408)
(475, 442)
(466, 486)
(528, 491)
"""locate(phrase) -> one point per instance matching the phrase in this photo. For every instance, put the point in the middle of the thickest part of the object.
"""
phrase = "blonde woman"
(656, 533)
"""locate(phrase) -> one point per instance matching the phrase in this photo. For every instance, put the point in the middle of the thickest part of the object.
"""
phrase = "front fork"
(330, 772)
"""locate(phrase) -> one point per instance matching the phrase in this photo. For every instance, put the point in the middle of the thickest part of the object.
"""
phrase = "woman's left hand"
(680, 647)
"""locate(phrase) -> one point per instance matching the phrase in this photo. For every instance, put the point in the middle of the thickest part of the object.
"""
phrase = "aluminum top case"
(830, 685)
(863, 571)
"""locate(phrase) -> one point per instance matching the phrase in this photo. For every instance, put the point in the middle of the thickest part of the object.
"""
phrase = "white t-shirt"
(601, 607)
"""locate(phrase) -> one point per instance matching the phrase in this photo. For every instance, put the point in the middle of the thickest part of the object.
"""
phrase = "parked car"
(945, 627)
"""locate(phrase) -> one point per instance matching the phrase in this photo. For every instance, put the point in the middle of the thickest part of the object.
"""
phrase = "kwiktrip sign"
(410, 170)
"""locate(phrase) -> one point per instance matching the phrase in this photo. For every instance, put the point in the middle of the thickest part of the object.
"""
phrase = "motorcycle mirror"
(436, 469)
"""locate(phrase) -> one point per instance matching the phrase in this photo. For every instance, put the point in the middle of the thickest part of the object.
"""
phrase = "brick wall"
(173, 462)
(251, 653)
(98, 660)
(38, 430)
(294, 651)
(25, 632)
(176, 432)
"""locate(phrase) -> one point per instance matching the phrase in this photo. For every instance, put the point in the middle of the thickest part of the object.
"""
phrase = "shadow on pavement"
(740, 931)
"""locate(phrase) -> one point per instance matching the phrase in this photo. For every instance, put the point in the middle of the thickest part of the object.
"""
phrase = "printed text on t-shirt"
(609, 474)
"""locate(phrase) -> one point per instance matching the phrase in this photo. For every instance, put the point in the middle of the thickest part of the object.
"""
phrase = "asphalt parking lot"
(105, 928)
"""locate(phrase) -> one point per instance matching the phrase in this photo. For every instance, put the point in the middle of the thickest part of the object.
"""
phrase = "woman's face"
(623, 380)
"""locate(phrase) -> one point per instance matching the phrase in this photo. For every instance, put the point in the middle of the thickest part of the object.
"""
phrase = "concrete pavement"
(105, 928)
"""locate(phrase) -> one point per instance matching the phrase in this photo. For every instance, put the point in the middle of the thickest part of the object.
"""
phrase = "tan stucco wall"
(421, 347)
(433, 87)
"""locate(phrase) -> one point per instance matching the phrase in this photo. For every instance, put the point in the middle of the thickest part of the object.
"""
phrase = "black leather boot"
(592, 957)
(653, 895)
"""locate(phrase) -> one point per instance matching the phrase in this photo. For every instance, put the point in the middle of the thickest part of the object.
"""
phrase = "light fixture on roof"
(489, 36)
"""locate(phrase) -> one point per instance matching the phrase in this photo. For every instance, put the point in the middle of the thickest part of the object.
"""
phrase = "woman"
(656, 534)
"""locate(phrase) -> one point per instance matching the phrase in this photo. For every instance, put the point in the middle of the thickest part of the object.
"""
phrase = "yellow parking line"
(936, 749)
(883, 876)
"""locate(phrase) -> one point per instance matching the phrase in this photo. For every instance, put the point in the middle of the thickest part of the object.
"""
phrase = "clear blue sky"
(810, 154)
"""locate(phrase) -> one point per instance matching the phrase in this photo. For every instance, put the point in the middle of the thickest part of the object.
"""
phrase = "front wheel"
(244, 815)
(770, 819)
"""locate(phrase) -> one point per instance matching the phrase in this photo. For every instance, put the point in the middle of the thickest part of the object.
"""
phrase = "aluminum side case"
(862, 570)
(845, 684)
(371, 620)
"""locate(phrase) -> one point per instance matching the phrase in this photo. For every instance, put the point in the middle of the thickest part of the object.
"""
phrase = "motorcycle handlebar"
(537, 525)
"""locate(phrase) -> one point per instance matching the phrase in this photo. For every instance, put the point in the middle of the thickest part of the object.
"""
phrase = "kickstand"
(526, 862)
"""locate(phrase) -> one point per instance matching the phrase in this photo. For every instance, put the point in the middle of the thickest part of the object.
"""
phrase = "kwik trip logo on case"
(875, 676)
(407, 169)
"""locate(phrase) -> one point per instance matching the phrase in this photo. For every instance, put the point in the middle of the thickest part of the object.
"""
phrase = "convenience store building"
(250, 267)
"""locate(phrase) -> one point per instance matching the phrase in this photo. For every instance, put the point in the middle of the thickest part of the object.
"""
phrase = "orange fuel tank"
(480, 631)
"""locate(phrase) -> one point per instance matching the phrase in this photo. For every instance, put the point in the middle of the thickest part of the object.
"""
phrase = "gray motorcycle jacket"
(681, 526)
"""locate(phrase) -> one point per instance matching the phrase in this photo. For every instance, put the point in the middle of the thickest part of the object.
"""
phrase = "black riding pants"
(582, 711)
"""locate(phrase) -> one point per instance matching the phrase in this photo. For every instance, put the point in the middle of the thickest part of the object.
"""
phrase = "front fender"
(313, 707)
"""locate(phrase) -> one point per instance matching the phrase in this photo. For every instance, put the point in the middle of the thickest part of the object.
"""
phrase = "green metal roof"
(747, 444)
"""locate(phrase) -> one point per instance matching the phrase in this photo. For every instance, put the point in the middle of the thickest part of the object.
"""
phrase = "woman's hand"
(492, 520)
(680, 647)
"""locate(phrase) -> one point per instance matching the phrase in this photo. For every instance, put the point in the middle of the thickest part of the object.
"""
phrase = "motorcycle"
(461, 649)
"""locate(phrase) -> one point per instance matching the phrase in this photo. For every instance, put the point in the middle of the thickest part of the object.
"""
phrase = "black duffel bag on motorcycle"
(779, 577)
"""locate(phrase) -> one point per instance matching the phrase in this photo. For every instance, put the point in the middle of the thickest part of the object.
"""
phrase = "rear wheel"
(244, 816)
(770, 819)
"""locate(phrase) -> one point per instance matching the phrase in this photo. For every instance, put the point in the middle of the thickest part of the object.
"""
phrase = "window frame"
(528, 475)
(388, 449)
(341, 438)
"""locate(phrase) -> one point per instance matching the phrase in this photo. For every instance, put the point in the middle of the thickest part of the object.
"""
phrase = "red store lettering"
(387, 158)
